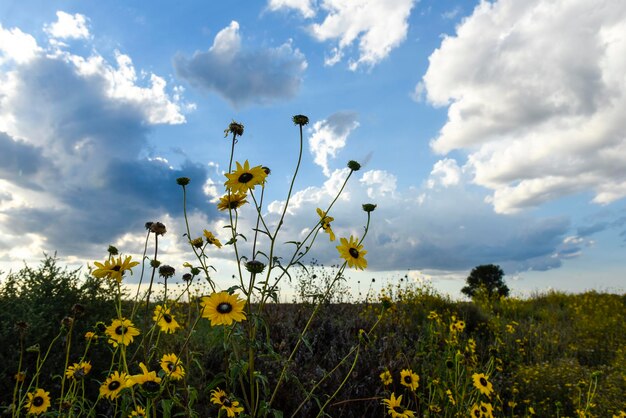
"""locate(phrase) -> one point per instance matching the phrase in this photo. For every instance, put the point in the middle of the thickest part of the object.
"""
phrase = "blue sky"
(490, 132)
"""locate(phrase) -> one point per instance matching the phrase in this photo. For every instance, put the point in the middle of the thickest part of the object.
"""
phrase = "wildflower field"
(83, 345)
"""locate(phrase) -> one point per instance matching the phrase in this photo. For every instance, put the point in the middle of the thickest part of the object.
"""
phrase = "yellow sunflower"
(475, 411)
(409, 379)
(486, 410)
(245, 178)
(138, 412)
(78, 370)
(149, 381)
(165, 319)
(222, 308)
(232, 201)
(38, 402)
(172, 367)
(121, 331)
(395, 409)
(352, 252)
(482, 384)
(386, 378)
(114, 268)
(113, 385)
(231, 407)
(210, 238)
(325, 223)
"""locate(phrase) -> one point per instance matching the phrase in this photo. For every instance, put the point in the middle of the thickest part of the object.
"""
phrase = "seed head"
(369, 207)
(300, 120)
(183, 181)
(112, 250)
(235, 128)
(166, 271)
(353, 165)
(255, 266)
(155, 263)
(157, 227)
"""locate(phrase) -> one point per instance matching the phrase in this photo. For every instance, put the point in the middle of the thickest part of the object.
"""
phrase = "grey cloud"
(20, 161)
(249, 77)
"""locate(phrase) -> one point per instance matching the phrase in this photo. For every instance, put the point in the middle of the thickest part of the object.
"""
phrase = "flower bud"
(235, 128)
(112, 250)
(183, 181)
(166, 271)
(369, 207)
(353, 165)
(255, 266)
(300, 120)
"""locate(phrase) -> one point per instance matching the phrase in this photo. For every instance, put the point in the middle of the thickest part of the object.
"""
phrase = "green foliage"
(487, 280)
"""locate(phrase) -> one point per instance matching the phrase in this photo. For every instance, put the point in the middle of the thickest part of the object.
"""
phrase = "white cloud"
(305, 7)
(376, 26)
(536, 92)
(68, 26)
(243, 75)
(329, 136)
(17, 46)
(445, 172)
(379, 183)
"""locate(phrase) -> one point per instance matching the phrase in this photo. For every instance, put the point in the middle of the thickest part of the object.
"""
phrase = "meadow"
(83, 345)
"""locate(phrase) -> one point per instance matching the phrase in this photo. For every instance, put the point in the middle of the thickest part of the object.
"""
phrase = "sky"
(490, 132)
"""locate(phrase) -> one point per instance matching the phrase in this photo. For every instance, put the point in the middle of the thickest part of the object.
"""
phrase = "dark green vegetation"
(487, 279)
(555, 354)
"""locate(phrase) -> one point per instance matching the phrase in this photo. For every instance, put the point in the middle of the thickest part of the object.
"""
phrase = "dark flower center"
(224, 308)
(121, 330)
(353, 252)
(245, 177)
(407, 379)
(37, 401)
(227, 403)
(483, 408)
(150, 386)
(114, 385)
(398, 409)
(167, 318)
(116, 268)
(483, 381)
(477, 413)
(171, 367)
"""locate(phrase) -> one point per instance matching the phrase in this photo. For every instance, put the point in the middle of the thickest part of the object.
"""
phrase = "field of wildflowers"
(200, 351)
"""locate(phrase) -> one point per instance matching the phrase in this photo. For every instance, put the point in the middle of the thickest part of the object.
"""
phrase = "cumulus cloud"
(536, 93)
(445, 173)
(329, 136)
(376, 26)
(17, 46)
(304, 7)
(68, 26)
(243, 76)
(444, 232)
(73, 130)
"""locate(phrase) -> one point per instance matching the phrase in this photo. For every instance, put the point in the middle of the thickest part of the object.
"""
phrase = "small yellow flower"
(78, 370)
(172, 367)
(395, 408)
(325, 223)
(245, 178)
(409, 379)
(38, 402)
(114, 268)
(386, 378)
(352, 252)
(138, 412)
(90, 336)
(482, 384)
(149, 381)
(121, 331)
(210, 238)
(165, 319)
(232, 201)
(222, 308)
(113, 385)
(231, 407)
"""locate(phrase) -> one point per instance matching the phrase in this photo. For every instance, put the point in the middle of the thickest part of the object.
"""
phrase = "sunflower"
(231, 407)
(172, 367)
(486, 410)
(121, 331)
(245, 178)
(222, 308)
(475, 411)
(232, 201)
(482, 384)
(38, 402)
(149, 381)
(386, 378)
(165, 319)
(138, 412)
(114, 268)
(409, 379)
(395, 409)
(325, 223)
(113, 385)
(78, 370)
(352, 252)
(210, 238)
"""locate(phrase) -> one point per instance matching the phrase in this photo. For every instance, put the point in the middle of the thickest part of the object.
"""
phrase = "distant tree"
(487, 279)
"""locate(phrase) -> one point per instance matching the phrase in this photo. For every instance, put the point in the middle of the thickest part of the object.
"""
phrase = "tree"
(487, 279)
